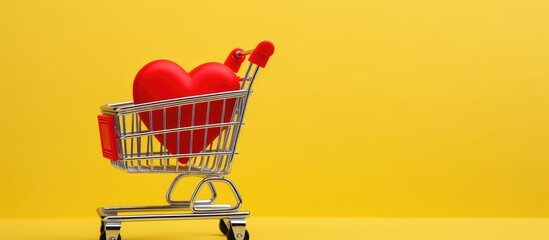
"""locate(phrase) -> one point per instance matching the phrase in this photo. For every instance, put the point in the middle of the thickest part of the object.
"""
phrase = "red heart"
(163, 79)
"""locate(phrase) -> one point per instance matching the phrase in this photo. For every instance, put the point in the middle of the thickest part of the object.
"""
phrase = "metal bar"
(181, 206)
(244, 53)
(160, 155)
(243, 110)
(175, 216)
(246, 77)
(179, 129)
(205, 133)
(125, 147)
(219, 138)
(131, 140)
(150, 149)
(138, 141)
(178, 137)
(191, 134)
(162, 147)
(109, 210)
(130, 107)
(213, 207)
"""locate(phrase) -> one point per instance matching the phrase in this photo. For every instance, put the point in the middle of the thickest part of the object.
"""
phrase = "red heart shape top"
(163, 79)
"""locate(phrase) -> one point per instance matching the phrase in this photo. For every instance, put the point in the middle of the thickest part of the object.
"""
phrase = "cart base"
(232, 224)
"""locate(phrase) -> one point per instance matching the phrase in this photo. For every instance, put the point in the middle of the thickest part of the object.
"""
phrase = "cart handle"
(244, 53)
(259, 56)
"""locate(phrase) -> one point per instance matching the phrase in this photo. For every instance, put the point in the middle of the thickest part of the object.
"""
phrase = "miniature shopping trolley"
(133, 148)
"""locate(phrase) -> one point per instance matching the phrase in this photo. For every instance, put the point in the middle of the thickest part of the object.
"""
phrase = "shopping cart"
(133, 148)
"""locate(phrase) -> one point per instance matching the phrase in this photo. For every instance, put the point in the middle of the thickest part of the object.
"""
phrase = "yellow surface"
(368, 108)
(291, 228)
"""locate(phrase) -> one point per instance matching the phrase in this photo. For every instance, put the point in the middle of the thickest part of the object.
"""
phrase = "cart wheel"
(230, 235)
(224, 229)
(104, 236)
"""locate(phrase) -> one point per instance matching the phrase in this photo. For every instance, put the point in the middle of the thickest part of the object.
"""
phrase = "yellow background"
(387, 108)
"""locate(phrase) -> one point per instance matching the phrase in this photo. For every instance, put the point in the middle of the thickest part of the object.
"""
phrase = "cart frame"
(132, 148)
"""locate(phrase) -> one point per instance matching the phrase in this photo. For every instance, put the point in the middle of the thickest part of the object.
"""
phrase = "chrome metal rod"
(130, 107)
(244, 53)
(104, 211)
(180, 155)
(174, 216)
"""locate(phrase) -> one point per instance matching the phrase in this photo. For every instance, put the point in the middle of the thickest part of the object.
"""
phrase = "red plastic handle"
(108, 137)
(261, 54)
(234, 60)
